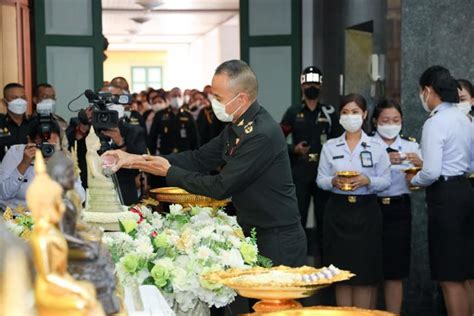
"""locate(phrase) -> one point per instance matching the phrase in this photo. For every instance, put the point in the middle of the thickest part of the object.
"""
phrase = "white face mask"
(351, 122)
(389, 131)
(187, 97)
(46, 107)
(176, 102)
(118, 108)
(158, 106)
(17, 106)
(424, 102)
(219, 110)
(465, 107)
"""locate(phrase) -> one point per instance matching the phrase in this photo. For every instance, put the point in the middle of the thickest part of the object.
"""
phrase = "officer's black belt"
(355, 198)
(387, 200)
(452, 178)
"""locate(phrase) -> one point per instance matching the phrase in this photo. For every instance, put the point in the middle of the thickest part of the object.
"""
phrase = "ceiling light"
(140, 19)
(149, 5)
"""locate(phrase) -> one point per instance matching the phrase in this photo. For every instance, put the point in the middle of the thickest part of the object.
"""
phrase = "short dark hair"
(240, 75)
(354, 97)
(382, 105)
(35, 128)
(440, 79)
(39, 86)
(11, 85)
(467, 85)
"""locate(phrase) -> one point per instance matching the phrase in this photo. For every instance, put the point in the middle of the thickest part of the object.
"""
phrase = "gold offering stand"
(273, 295)
(327, 311)
(347, 175)
(174, 195)
(413, 171)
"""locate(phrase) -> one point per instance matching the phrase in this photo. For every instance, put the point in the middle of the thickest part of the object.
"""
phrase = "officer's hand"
(301, 149)
(408, 177)
(339, 182)
(415, 159)
(116, 159)
(395, 158)
(114, 134)
(358, 181)
(155, 165)
(29, 154)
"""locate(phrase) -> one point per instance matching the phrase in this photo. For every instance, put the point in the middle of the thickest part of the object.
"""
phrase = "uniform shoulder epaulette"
(408, 138)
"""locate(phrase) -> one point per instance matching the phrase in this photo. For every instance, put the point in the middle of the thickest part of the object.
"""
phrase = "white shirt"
(12, 189)
(445, 145)
(336, 156)
(399, 183)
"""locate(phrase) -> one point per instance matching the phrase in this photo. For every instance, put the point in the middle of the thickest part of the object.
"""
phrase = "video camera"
(46, 121)
(102, 117)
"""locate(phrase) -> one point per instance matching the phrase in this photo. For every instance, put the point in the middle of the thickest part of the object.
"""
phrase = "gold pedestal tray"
(327, 311)
(347, 175)
(413, 171)
(277, 287)
(174, 195)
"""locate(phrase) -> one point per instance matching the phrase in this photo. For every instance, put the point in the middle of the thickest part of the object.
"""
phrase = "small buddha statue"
(56, 291)
(89, 259)
(103, 206)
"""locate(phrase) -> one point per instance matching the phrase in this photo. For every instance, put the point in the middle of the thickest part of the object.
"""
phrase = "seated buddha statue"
(56, 291)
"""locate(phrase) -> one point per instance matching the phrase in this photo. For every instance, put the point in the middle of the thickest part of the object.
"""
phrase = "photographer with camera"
(106, 115)
(17, 170)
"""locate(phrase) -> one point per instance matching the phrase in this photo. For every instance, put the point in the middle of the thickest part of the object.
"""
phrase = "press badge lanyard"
(366, 157)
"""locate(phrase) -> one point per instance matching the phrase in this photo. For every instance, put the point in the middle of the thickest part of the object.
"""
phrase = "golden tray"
(176, 195)
(348, 174)
(274, 296)
(327, 311)
(412, 170)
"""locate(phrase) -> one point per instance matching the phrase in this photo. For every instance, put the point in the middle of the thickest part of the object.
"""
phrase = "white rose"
(232, 258)
(176, 209)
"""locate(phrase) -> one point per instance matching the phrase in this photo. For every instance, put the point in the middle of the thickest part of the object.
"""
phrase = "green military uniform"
(256, 174)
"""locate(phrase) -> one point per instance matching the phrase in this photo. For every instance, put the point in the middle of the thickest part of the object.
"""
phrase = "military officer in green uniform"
(255, 172)
(310, 125)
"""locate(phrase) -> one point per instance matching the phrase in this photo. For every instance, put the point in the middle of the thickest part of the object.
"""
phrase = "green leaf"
(168, 288)
(149, 281)
(264, 262)
(150, 266)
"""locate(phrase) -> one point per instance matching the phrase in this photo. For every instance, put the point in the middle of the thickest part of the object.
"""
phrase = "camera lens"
(47, 150)
(103, 117)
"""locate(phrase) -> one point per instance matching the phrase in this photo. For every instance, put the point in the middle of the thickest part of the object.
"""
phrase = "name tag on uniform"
(338, 157)
(183, 132)
(366, 159)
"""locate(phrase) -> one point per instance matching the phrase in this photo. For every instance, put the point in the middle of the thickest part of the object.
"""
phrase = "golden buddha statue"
(56, 292)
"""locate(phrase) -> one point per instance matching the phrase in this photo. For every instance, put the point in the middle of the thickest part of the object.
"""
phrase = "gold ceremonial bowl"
(348, 175)
(174, 195)
(414, 171)
(327, 311)
(273, 295)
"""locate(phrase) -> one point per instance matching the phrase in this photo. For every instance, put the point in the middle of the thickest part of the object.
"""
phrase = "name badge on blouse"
(366, 159)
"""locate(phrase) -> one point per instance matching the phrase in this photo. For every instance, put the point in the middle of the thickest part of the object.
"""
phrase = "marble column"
(432, 32)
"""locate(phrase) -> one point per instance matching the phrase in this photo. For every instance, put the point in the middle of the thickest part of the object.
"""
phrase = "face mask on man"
(219, 110)
(389, 131)
(17, 106)
(311, 93)
(187, 97)
(351, 122)
(46, 107)
(424, 102)
(464, 107)
(176, 102)
(158, 106)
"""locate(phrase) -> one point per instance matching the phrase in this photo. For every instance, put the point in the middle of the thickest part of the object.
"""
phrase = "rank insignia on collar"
(248, 128)
(323, 119)
(300, 115)
(237, 141)
(241, 123)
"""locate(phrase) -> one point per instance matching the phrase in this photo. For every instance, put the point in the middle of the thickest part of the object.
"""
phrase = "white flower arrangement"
(173, 251)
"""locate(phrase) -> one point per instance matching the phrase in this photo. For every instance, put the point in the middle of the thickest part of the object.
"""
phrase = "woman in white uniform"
(395, 202)
(352, 222)
(446, 150)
